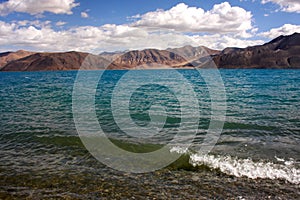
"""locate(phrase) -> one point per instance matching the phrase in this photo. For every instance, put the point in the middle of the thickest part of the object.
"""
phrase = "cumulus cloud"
(60, 23)
(220, 27)
(286, 29)
(84, 14)
(109, 37)
(222, 18)
(286, 5)
(35, 7)
(218, 41)
(36, 23)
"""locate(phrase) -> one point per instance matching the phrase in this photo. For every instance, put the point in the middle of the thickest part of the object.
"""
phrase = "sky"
(116, 25)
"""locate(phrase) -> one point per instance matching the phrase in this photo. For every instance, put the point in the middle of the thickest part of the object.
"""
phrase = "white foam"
(179, 150)
(248, 168)
(286, 162)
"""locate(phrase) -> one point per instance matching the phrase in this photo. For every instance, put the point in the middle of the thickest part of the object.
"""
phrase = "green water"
(43, 157)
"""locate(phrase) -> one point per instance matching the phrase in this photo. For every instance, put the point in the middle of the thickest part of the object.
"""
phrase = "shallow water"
(257, 154)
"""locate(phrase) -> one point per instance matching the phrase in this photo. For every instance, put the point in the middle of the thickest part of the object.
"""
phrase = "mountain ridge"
(9, 56)
(282, 52)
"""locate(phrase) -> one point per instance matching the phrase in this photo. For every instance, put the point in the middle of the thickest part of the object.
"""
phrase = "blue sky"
(96, 26)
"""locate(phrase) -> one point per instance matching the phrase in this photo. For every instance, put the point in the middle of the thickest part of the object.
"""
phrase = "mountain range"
(281, 53)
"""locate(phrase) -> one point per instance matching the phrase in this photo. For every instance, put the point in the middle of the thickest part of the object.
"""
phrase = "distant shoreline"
(225, 69)
(280, 53)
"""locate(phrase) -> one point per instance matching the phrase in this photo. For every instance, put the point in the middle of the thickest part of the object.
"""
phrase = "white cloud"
(60, 23)
(36, 23)
(35, 7)
(6, 29)
(220, 42)
(84, 14)
(109, 37)
(220, 27)
(286, 5)
(222, 18)
(286, 29)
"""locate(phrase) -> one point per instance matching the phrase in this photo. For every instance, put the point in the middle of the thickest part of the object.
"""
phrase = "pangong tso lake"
(257, 150)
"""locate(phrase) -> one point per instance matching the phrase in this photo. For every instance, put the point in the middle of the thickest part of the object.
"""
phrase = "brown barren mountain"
(57, 61)
(154, 58)
(11, 56)
(144, 59)
(47, 61)
(282, 53)
(148, 58)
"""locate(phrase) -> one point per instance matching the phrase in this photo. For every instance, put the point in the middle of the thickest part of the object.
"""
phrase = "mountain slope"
(148, 58)
(154, 58)
(7, 57)
(282, 53)
(58, 61)
(47, 61)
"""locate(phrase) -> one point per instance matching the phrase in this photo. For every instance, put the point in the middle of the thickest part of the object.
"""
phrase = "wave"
(285, 170)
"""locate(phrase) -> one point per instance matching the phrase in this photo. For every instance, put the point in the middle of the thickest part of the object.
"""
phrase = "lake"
(50, 146)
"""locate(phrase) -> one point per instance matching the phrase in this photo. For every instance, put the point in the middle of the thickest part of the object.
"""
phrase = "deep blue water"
(262, 126)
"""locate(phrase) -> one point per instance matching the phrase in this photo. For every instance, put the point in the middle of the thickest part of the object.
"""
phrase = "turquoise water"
(41, 151)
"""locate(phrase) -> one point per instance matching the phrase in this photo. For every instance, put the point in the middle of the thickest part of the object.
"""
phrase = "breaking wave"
(285, 170)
